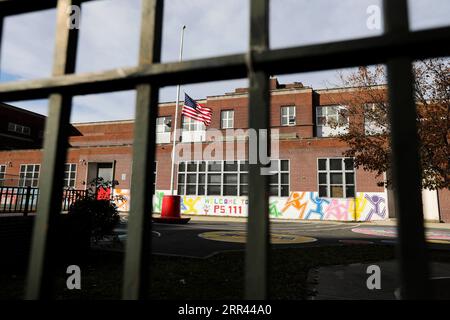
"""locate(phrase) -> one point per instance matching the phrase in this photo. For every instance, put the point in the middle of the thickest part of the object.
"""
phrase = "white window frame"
(69, 172)
(191, 125)
(34, 180)
(328, 173)
(240, 185)
(162, 124)
(325, 129)
(227, 119)
(279, 173)
(163, 131)
(192, 130)
(290, 115)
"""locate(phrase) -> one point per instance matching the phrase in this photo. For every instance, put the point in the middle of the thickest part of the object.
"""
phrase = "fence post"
(137, 254)
(406, 169)
(257, 248)
(27, 201)
(42, 256)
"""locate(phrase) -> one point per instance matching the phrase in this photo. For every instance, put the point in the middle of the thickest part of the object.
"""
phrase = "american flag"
(196, 111)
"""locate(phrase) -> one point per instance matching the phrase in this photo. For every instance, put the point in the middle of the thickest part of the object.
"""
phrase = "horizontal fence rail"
(397, 48)
(417, 45)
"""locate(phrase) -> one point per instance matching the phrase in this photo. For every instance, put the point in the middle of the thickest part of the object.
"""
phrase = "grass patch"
(218, 277)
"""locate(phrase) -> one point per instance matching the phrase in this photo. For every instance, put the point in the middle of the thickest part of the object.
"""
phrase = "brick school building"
(310, 178)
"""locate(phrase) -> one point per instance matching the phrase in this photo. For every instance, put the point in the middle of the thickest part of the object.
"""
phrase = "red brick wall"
(16, 158)
(301, 99)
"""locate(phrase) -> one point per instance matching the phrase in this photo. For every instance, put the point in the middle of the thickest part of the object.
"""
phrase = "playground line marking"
(240, 237)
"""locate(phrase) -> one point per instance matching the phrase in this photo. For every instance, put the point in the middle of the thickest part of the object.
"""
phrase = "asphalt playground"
(202, 239)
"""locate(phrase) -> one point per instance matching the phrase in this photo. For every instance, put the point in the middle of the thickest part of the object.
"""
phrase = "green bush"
(98, 216)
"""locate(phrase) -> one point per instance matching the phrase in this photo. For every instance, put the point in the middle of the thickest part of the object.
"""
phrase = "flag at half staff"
(196, 111)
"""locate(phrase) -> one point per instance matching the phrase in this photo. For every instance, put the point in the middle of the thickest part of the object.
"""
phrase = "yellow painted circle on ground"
(240, 237)
(438, 241)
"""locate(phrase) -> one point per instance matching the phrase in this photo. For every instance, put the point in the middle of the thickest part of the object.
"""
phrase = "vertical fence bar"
(136, 276)
(27, 201)
(12, 198)
(406, 173)
(19, 197)
(1, 199)
(2, 19)
(54, 154)
(258, 186)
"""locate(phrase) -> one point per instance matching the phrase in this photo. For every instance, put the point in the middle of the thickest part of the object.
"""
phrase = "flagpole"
(172, 172)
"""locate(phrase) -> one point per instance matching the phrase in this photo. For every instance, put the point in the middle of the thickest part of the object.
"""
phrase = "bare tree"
(368, 132)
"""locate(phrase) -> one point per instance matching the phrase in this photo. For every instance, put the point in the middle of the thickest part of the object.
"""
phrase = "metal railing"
(25, 199)
(396, 48)
(70, 196)
(18, 199)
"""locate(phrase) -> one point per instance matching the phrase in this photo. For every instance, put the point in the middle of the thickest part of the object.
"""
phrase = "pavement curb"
(381, 223)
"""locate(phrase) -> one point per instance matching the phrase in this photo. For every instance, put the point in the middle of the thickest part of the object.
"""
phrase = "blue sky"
(109, 34)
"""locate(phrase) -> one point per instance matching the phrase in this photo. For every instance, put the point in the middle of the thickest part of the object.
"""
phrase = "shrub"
(98, 216)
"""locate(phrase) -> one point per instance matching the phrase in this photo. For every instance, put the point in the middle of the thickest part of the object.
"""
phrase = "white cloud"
(300, 22)
(426, 14)
(213, 28)
(27, 46)
(112, 106)
(109, 35)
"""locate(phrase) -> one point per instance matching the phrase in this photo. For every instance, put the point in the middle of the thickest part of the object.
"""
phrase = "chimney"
(274, 83)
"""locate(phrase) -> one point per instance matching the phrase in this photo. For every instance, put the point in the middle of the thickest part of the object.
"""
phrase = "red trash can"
(170, 211)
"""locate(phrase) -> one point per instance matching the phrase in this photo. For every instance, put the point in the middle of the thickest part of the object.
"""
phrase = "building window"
(193, 130)
(13, 127)
(29, 175)
(226, 178)
(279, 178)
(227, 119)
(163, 124)
(163, 129)
(336, 177)
(331, 121)
(70, 171)
(288, 116)
(372, 117)
(190, 124)
(2, 174)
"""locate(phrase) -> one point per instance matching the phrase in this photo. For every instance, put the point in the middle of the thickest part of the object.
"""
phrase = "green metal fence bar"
(256, 254)
(136, 272)
(39, 279)
(414, 273)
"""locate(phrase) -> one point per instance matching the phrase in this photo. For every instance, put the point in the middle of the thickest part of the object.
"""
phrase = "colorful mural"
(365, 206)
(122, 199)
